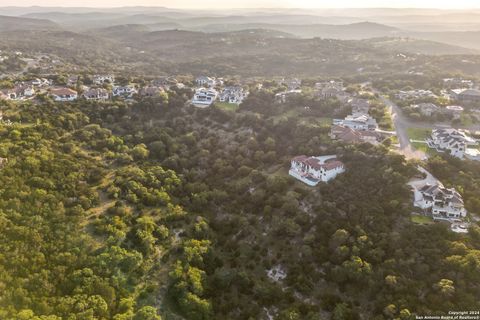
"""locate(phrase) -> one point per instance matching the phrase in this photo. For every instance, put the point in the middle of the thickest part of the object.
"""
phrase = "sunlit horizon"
(240, 4)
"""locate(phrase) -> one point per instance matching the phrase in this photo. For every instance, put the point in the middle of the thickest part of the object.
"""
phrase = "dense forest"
(158, 210)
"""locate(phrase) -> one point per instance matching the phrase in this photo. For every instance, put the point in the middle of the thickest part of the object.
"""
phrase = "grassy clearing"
(226, 106)
(418, 219)
(418, 133)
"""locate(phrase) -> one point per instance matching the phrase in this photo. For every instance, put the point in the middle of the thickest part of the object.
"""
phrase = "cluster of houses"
(98, 92)
(458, 83)
(24, 90)
(357, 127)
(455, 142)
(460, 92)
(207, 93)
(415, 94)
(313, 170)
(429, 109)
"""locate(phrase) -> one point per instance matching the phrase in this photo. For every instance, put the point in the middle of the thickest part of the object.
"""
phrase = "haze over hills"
(451, 27)
(15, 23)
(247, 38)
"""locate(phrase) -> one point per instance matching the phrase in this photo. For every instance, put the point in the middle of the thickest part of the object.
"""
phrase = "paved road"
(401, 125)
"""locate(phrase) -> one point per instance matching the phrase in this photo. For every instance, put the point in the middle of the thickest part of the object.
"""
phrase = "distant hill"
(121, 32)
(93, 20)
(69, 18)
(467, 39)
(355, 31)
(416, 46)
(8, 23)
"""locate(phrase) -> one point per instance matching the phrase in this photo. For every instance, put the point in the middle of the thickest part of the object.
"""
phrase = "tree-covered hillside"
(157, 209)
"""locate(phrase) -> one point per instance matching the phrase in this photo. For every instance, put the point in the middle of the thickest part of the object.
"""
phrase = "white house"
(357, 122)
(63, 94)
(455, 142)
(204, 97)
(442, 203)
(282, 96)
(124, 91)
(312, 170)
(96, 94)
(100, 79)
(205, 81)
(234, 95)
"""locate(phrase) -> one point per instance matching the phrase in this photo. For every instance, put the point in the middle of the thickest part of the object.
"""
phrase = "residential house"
(38, 82)
(204, 97)
(96, 94)
(281, 97)
(331, 89)
(357, 122)
(442, 203)
(235, 94)
(313, 170)
(455, 142)
(359, 106)
(124, 91)
(204, 81)
(465, 95)
(63, 94)
(349, 135)
(100, 79)
(427, 109)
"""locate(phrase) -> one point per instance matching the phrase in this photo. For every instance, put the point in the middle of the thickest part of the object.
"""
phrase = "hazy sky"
(458, 4)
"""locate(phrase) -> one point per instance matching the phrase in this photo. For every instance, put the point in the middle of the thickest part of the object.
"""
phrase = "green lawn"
(418, 133)
(226, 106)
(418, 219)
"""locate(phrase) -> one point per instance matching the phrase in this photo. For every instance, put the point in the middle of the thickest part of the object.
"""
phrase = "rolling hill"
(8, 23)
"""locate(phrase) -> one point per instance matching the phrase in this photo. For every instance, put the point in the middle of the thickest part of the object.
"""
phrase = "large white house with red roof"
(312, 170)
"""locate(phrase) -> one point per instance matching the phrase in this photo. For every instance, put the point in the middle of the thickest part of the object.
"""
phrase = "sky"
(222, 4)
